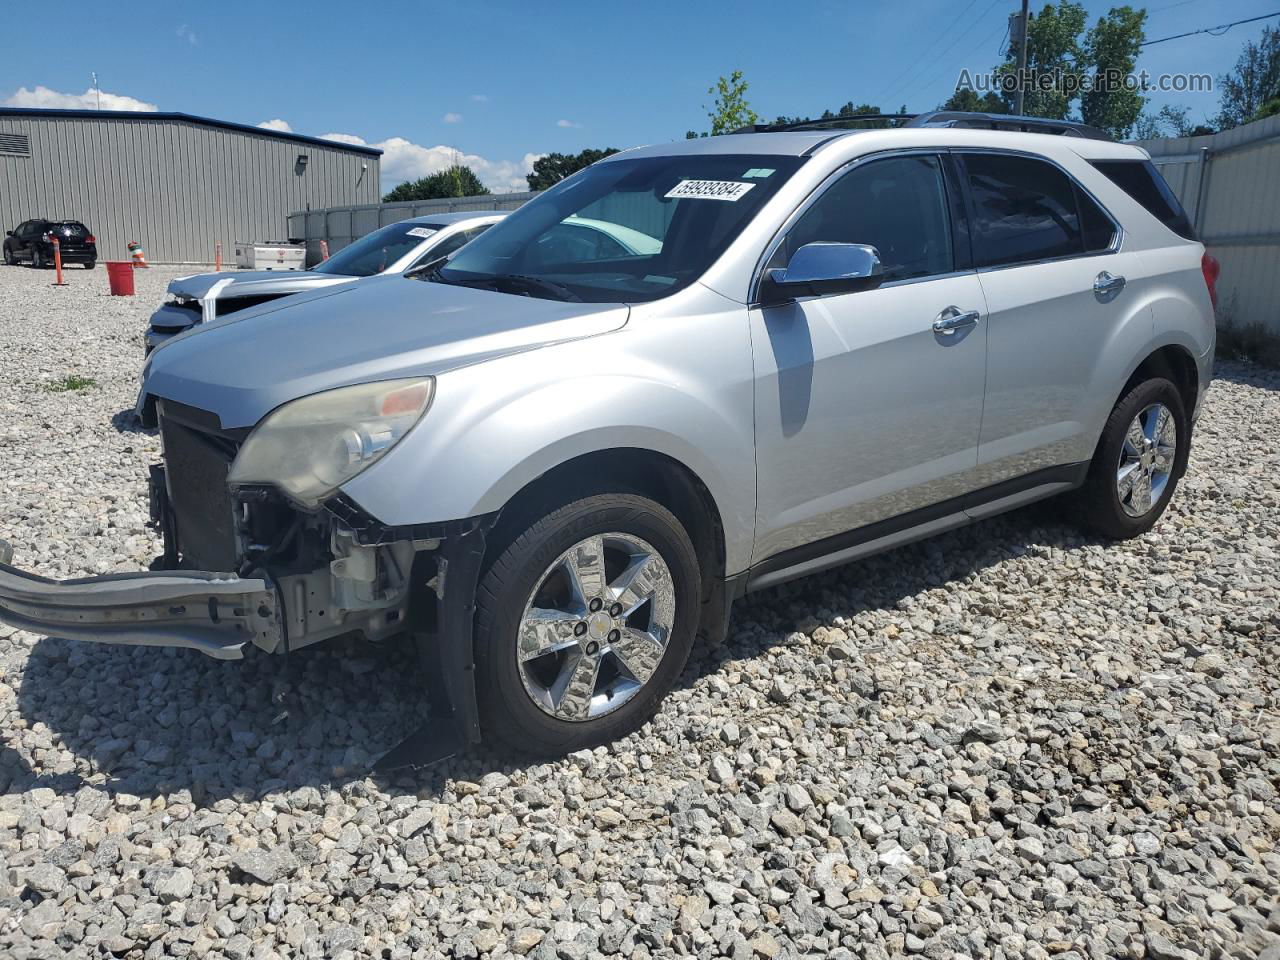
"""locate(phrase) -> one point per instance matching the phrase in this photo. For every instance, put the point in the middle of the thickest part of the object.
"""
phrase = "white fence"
(1229, 184)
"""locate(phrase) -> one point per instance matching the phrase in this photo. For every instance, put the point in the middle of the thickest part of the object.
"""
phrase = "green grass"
(72, 381)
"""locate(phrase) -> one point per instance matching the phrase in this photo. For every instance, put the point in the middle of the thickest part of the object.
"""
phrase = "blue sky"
(500, 83)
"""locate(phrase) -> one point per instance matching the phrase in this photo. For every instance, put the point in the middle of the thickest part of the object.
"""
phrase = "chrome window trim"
(753, 292)
(1117, 239)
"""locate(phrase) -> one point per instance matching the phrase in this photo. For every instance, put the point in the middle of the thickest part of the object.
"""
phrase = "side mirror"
(818, 268)
(8, 233)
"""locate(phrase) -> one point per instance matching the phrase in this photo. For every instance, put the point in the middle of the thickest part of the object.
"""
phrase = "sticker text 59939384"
(709, 190)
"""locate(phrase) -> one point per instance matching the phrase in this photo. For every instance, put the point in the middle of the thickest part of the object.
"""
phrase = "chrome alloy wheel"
(596, 627)
(1146, 459)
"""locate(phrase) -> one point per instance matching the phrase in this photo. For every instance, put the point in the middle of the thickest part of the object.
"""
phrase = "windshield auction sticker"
(423, 232)
(709, 190)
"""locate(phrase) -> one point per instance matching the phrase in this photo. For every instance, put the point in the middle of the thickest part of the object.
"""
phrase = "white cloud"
(567, 123)
(46, 98)
(453, 118)
(480, 98)
(404, 160)
(186, 33)
(277, 124)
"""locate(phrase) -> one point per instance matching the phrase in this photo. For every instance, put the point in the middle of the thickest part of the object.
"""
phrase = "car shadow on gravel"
(126, 421)
(157, 721)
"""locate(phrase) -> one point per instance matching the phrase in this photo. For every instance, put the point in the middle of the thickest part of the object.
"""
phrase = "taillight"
(91, 239)
(1210, 267)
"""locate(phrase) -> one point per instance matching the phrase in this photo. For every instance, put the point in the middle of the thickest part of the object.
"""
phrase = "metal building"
(175, 183)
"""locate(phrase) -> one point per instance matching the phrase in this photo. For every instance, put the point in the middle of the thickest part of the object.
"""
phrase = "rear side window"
(1027, 210)
(1142, 181)
(1024, 210)
(897, 205)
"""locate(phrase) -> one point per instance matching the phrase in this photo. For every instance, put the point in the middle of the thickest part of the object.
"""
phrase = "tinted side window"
(1099, 231)
(897, 205)
(1142, 181)
(1024, 210)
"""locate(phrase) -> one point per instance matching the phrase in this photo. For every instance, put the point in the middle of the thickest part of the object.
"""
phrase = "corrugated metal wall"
(175, 186)
(1229, 184)
(338, 226)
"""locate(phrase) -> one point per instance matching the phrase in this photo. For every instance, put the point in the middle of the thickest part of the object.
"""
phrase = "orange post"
(324, 249)
(57, 263)
(217, 257)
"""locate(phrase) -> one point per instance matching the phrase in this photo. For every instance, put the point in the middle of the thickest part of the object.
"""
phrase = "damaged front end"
(247, 564)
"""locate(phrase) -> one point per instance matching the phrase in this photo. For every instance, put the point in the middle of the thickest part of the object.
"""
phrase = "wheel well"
(1174, 364)
(645, 472)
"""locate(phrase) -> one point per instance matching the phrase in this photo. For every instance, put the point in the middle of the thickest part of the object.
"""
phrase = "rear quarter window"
(1142, 181)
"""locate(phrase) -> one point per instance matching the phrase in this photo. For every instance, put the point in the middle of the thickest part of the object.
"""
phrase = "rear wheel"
(1140, 457)
(583, 623)
(37, 258)
(90, 264)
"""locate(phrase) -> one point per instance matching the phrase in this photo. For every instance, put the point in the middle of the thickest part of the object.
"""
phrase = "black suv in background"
(32, 240)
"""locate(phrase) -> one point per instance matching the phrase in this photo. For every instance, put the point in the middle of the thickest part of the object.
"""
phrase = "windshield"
(622, 230)
(376, 251)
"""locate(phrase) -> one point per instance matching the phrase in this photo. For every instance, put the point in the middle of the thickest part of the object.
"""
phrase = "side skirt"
(909, 527)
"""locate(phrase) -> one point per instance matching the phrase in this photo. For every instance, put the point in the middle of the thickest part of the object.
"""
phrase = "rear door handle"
(1106, 285)
(952, 319)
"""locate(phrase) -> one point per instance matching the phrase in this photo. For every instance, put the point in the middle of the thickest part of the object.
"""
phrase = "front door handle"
(1107, 285)
(952, 319)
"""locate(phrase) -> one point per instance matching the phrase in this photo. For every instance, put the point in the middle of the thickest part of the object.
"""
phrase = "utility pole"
(1022, 57)
(96, 92)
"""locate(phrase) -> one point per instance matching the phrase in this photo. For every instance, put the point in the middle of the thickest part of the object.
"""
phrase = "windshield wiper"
(537, 283)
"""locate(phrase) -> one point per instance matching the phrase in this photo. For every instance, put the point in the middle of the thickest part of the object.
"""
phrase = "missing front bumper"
(215, 613)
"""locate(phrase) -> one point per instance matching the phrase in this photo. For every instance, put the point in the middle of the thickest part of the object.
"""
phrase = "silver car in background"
(394, 248)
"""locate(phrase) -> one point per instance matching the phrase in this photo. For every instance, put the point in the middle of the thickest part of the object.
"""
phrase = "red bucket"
(120, 277)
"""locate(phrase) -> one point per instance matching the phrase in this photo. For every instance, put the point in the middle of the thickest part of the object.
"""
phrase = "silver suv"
(557, 457)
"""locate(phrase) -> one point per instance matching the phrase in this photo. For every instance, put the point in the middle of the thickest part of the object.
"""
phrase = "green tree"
(1053, 44)
(730, 109)
(850, 109)
(969, 101)
(1268, 109)
(455, 181)
(1254, 81)
(554, 167)
(1111, 49)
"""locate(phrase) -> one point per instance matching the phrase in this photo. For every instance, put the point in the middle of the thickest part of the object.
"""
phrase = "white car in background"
(394, 248)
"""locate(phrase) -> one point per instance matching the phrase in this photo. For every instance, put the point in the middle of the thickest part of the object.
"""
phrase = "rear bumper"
(215, 613)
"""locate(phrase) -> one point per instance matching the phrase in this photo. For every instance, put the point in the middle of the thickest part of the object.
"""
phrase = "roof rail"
(944, 118)
(823, 122)
(1006, 121)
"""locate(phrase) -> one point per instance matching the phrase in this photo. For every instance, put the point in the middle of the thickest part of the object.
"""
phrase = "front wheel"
(37, 258)
(1140, 457)
(583, 623)
(90, 264)
(9, 258)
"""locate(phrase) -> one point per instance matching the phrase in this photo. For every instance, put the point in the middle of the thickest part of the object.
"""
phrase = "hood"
(243, 366)
(252, 283)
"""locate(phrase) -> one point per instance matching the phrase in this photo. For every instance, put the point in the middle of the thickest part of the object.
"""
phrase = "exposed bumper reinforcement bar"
(215, 613)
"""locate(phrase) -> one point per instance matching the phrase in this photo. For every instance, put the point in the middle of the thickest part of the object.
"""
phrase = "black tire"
(90, 264)
(1102, 510)
(508, 714)
(37, 258)
(9, 258)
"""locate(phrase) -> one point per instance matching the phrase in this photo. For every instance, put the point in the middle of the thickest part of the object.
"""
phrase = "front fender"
(495, 427)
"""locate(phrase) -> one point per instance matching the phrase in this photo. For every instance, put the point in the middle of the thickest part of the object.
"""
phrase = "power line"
(1217, 31)
(915, 81)
(894, 85)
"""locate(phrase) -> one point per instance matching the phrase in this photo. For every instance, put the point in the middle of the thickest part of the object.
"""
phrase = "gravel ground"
(1011, 741)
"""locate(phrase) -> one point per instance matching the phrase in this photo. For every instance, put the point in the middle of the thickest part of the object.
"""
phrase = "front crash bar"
(215, 613)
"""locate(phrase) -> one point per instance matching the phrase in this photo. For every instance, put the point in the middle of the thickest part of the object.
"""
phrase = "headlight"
(310, 447)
